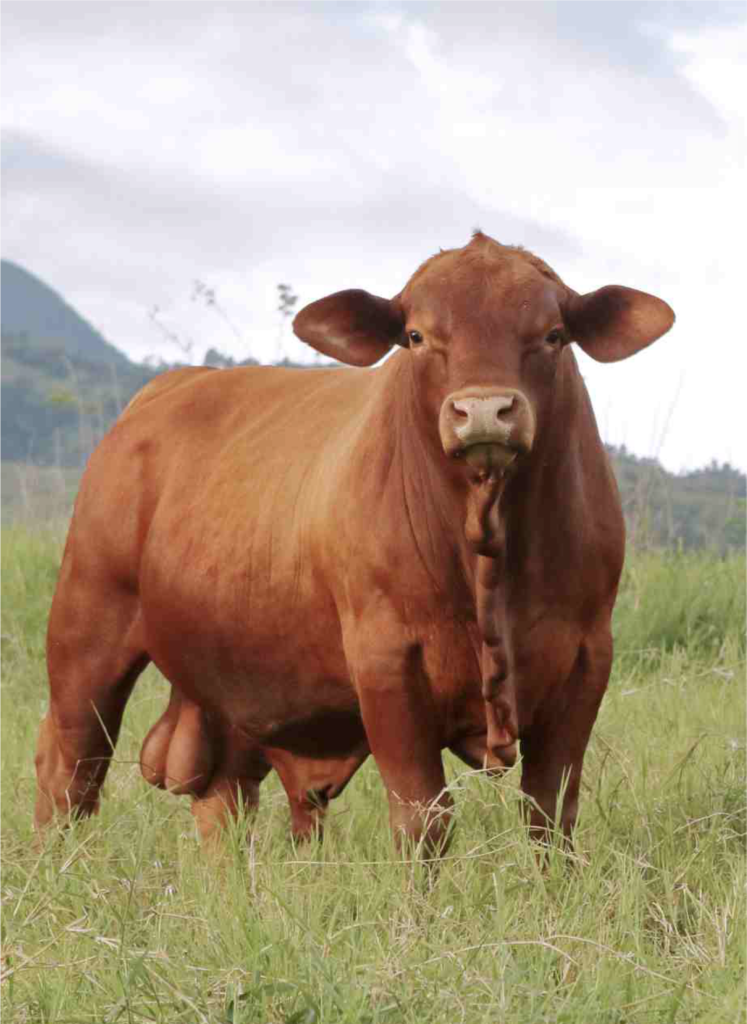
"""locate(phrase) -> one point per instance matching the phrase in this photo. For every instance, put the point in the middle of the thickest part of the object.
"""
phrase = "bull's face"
(485, 331)
(486, 327)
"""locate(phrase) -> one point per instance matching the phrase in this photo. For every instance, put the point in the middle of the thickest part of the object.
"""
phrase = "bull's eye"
(555, 337)
(415, 337)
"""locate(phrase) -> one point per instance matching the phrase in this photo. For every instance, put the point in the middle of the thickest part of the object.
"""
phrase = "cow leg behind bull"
(95, 652)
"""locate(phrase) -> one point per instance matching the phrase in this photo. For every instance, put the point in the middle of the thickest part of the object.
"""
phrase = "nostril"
(460, 411)
(505, 406)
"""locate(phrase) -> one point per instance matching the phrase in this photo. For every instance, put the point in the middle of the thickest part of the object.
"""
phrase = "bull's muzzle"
(487, 427)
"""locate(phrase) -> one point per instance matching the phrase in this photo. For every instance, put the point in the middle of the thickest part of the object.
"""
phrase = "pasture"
(125, 918)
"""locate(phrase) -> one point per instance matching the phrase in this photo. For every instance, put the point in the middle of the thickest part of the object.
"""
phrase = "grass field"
(126, 919)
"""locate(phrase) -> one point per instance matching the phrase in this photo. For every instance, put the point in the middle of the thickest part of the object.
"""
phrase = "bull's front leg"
(404, 734)
(553, 747)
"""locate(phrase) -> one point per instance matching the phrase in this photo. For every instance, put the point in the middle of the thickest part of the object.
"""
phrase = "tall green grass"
(671, 599)
(125, 917)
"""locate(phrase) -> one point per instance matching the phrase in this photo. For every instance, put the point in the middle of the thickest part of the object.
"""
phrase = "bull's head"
(486, 327)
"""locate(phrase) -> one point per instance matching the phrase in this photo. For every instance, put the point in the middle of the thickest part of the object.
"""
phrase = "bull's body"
(317, 569)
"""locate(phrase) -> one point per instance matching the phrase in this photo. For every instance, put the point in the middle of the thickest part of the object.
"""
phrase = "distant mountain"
(63, 384)
(32, 308)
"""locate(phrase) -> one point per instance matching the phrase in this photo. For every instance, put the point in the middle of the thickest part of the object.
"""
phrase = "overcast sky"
(337, 145)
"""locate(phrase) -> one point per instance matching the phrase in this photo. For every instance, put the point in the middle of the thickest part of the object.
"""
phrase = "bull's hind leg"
(224, 798)
(95, 652)
(311, 783)
(234, 785)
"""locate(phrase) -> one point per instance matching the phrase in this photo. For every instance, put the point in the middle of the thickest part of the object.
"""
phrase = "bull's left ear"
(353, 326)
(616, 322)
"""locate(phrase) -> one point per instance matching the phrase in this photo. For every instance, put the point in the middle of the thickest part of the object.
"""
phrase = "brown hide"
(328, 562)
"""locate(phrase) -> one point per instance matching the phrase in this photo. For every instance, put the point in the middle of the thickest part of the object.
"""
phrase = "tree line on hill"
(702, 508)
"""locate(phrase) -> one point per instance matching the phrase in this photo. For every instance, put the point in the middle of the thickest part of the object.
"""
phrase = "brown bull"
(326, 563)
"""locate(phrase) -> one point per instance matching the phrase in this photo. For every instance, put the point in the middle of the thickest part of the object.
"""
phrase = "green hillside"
(62, 383)
(31, 308)
(56, 406)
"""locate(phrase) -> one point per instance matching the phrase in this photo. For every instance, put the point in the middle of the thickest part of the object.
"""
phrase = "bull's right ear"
(353, 326)
(616, 322)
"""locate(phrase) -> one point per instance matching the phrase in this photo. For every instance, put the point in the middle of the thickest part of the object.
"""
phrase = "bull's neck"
(420, 476)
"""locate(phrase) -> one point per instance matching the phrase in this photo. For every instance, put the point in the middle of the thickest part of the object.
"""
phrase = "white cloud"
(717, 66)
(650, 196)
(338, 145)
